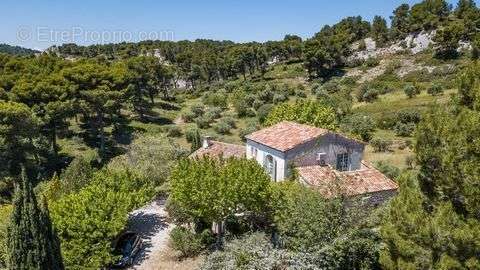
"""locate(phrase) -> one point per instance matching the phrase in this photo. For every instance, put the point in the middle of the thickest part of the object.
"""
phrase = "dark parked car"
(127, 245)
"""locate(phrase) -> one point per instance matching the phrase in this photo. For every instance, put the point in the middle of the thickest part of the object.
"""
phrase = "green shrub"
(360, 125)
(222, 128)
(367, 94)
(257, 103)
(203, 122)
(435, 89)
(213, 113)
(190, 134)
(252, 126)
(266, 95)
(331, 86)
(242, 108)
(408, 116)
(186, 242)
(411, 90)
(188, 116)
(197, 109)
(89, 220)
(371, 62)
(217, 99)
(278, 98)
(174, 131)
(229, 121)
(381, 145)
(404, 130)
(5, 211)
(390, 171)
(263, 112)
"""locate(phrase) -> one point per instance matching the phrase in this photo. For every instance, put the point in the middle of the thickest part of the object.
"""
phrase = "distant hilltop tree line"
(326, 51)
(16, 50)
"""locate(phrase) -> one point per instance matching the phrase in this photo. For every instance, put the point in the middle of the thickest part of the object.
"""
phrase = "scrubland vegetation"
(101, 130)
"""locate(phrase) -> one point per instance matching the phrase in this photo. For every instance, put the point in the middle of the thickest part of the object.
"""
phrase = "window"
(270, 166)
(254, 152)
(343, 162)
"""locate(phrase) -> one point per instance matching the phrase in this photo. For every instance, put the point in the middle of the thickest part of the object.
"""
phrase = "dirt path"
(150, 222)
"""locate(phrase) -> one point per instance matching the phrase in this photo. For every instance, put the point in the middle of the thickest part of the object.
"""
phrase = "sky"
(40, 24)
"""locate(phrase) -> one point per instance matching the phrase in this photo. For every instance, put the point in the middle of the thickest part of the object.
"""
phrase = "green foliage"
(305, 112)
(76, 176)
(404, 129)
(379, 30)
(367, 94)
(447, 38)
(174, 131)
(435, 89)
(18, 129)
(32, 242)
(210, 190)
(222, 127)
(193, 136)
(411, 90)
(251, 127)
(150, 157)
(306, 221)
(89, 220)
(434, 221)
(5, 212)
(390, 171)
(187, 242)
(361, 126)
(381, 145)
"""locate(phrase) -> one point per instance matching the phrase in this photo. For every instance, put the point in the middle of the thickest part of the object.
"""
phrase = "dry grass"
(168, 259)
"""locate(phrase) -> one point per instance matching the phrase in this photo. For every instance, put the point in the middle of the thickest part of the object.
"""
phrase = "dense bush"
(306, 221)
(263, 112)
(372, 62)
(411, 90)
(404, 130)
(367, 94)
(5, 211)
(188, 116)
(408, 116)
(151, 157)
(278, 98)
(213, 113)
(186, 242)
(89, 220)
(252, 126)
(174, 131)
(257, 103)
(390, 171)
(381, 145)
(203, 122)
(361, 126)
(222, 127)
(217, 99)
(305, 112)
(77, 175)
(435, 89)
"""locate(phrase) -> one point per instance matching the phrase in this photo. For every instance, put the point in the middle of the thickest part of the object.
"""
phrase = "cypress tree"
(32, 242)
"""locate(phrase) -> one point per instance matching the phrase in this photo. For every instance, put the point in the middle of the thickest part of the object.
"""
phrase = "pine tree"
(434, 223)
(32, 242)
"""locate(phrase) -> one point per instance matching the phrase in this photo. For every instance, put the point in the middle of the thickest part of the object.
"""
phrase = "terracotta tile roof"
(217, 149)
(286, 135)
(330, 182)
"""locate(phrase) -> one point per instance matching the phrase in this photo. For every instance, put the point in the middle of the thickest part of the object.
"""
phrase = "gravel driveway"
(150, 223)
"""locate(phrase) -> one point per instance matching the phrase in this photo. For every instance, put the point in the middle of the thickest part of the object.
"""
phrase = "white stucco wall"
(262, 152)
(306, 154)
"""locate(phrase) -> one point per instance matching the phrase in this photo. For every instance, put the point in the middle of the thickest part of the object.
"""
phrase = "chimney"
(321, 159)
(207, 141)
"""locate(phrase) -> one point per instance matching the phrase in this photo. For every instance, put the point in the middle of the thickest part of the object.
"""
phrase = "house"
(327, 161)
